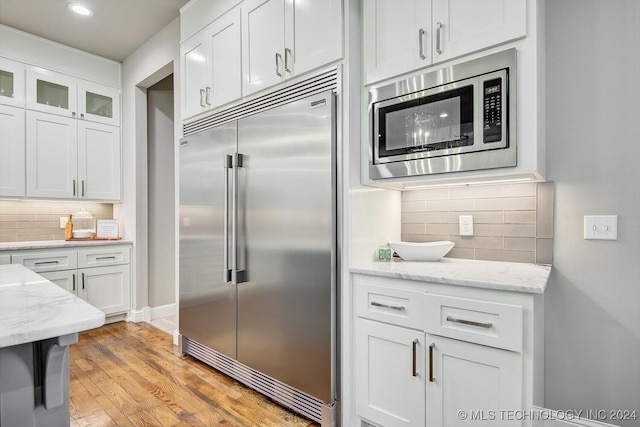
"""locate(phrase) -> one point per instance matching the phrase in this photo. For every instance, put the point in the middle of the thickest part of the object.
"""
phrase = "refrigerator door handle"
(226, 269)
(237, 275)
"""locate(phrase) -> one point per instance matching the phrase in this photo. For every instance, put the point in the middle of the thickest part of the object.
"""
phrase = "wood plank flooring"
(126, 374)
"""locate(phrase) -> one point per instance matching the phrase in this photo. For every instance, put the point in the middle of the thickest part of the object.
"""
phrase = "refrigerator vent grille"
(327, 80)
(280, 392)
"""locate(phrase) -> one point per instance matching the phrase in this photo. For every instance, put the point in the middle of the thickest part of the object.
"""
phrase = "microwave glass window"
(437, 122)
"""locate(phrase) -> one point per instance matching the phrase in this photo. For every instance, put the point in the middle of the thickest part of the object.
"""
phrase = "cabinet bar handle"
(82, 280)
(278, 60)
(431, 346)
(439, 38)
(45, 262)
(73, 281)
(469, 322)
(202, 98)
(415, 369)
(287, 54)
(421, 43)
(82, 187)
(105, 257)
(208, 96)
(74, 187)
(392, 307)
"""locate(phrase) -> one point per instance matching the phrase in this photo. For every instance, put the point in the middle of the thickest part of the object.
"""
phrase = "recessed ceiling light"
(80, 9)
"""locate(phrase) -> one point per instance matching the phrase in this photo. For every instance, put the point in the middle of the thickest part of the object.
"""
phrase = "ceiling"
(116, 29)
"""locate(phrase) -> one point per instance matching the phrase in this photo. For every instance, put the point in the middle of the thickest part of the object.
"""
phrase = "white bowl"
(428, 251)
(82, 234)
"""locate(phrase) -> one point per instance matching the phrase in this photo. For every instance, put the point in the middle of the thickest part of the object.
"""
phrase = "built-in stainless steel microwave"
(457, 118)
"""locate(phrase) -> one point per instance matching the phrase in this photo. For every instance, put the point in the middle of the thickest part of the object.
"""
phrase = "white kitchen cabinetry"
(211, 64)
(71, 159)
(424, 351)
(12, 83)
(403, 36)
(66, 96)
(12, 149)
(99, 275)
(390, 356)
(285, 39)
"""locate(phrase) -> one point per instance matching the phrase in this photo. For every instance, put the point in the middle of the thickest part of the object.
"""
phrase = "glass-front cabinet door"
(98, 103)
(51, 92)
(11, 83)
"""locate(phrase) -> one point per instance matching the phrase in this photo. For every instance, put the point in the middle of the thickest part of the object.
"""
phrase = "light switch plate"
(601, 227)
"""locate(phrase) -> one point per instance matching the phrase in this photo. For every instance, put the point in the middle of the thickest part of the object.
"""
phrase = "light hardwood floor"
(126, 374)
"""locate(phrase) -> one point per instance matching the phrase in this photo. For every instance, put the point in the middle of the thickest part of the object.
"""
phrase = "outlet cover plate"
(466, 225)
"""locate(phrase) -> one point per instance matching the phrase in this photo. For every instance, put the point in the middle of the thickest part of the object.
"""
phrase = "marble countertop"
(56, 244)
(32, 308)
(506, 276)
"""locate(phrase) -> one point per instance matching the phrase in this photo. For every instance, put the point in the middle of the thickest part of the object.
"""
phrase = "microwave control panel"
(492, 110)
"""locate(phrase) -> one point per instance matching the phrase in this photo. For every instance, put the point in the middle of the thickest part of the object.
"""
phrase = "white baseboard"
(552, 418)
(147, 314)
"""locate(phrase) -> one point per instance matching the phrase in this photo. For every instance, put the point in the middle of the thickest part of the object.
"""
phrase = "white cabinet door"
(263, 30)
(389, 391)
(98, 161)
(67, 280)
(466, 26)
(5, 259)
(51, 92)
(52, 154)
(106, 288)
(12, 149)
(396, 37)
(224, 38)
(477, 379)
(12, 89)
(195, 74)
(313, 34)
(98, 103)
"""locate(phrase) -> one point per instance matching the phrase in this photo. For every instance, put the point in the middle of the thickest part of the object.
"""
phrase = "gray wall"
(160, 152)
(593, 113)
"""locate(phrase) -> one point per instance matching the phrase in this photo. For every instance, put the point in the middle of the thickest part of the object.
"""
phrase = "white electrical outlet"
(466, 225)
(63, 221)
(601, 227)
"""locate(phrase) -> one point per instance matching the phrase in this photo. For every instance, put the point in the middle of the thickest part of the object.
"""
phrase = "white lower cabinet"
(471, 384)
(433, 355)
(390, 365)
(99, 275)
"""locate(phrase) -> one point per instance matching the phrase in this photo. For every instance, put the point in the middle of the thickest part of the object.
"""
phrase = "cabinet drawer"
(483, 322)
(62, 259)
(103, 256)
(396, 306)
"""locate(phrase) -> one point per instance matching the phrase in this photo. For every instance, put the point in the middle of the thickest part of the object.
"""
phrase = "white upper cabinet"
(11, 83)
(12, 147)
(464, 26)
(400, 36)
(211, 59)
(397, 37)
(285, 39)
(98, 161)
(63, 95)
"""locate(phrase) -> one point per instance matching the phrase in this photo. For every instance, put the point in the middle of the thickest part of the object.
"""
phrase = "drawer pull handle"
(392, 307)
(431, 346)
(415, 369)
(105, 257)
(73, 281)
(46, 262)
(469, 322)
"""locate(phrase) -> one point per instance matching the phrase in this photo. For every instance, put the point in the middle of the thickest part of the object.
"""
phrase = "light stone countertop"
(505, 276)
(33, 309)
(57, 244)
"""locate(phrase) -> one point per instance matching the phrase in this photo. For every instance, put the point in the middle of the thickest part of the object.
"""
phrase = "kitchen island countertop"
(33, 309)
(498, 275)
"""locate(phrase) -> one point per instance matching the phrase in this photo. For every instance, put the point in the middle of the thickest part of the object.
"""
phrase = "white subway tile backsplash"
(512, 222)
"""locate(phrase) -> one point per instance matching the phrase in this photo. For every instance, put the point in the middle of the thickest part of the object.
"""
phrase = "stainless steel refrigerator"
(258, 253)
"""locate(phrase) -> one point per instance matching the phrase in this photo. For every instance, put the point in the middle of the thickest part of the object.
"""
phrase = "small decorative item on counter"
(84, 225)
(68, 228)
(384, 253)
